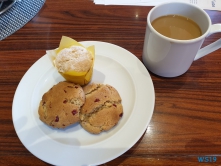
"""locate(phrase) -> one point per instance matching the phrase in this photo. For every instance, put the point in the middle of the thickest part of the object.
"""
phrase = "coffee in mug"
(177, 27)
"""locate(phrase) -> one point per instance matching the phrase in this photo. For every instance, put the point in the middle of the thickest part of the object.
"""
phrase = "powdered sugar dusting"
(75, 58)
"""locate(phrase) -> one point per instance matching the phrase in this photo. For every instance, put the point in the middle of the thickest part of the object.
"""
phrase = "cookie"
(60, 106)
(102, 108)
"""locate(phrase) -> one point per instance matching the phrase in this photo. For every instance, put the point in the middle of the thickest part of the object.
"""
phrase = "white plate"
(75, 146)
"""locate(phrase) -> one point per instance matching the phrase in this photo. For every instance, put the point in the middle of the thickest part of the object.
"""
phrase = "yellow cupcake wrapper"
(81, 78)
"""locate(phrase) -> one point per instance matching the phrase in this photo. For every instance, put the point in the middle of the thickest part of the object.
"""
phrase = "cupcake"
(73, 61)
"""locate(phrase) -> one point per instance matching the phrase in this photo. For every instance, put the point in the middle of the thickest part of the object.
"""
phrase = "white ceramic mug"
(169, 57)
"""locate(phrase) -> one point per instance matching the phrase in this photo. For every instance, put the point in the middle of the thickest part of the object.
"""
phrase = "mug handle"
(215, 28)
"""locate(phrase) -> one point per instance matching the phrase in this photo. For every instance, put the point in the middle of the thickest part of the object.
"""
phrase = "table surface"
(186, 122)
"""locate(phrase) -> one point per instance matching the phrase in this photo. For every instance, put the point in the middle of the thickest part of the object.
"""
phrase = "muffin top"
(75, 58)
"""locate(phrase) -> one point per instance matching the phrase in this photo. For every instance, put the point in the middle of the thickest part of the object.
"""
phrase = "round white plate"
(75, 146)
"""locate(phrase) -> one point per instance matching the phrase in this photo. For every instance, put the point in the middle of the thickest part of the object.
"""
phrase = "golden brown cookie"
(60, 106)
(102, 109)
